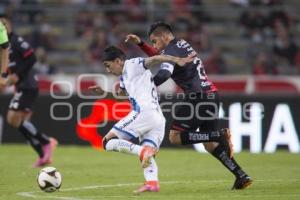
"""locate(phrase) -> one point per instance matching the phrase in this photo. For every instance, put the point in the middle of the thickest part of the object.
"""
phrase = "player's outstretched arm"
(99, 91)
(149, 50)
(154, 60)
(96, 90)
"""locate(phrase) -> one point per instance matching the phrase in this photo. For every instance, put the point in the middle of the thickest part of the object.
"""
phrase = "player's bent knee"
(110, 135)
(210, 146)
(13, 120)
(108, 144)
(174, 137)
(104, 142)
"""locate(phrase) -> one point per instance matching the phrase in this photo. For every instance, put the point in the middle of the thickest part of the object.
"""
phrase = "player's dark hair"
(158, 27)
(110, 53)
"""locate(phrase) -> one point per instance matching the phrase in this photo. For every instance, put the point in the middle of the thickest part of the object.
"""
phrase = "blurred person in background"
(42, 66)
(215, 63)
(198, 90)
(254, 22)
(83, 24)
(32, 15)
(297, 62)
(43, 35)
(284, 46)
(21, 75)
(264, 65)
(92, 55)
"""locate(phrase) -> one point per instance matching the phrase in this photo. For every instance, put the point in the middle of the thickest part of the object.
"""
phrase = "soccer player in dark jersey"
(199, 92)
(21, 75)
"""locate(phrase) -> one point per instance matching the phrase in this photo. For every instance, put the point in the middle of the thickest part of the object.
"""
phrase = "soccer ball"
(49, 179)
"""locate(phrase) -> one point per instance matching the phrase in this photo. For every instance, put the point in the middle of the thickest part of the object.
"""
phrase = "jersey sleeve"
(167, 66)
(24, 47)
(134, 67)
(164, 73)
(3, 35)
(149, 50)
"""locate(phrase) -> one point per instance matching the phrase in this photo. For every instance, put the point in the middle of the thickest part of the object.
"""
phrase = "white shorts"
(148, 126)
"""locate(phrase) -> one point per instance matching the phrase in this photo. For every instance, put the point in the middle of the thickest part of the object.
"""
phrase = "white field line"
(34, 194)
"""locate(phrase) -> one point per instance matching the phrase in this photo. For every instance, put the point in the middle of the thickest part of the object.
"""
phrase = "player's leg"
(243, 180)
(126, 130)
(221, 151)
(206, 108)
(152, 139)
(186, 137)
(217, 142)
(151, 183)
(187, 121)
(15, 119)
(115, 141)
(19, 117)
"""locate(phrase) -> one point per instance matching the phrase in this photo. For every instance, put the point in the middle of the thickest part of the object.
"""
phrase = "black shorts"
(199, 110)
(23, 100)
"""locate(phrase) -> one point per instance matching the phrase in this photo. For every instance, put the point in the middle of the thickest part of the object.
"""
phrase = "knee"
(210, 146)
(105, 142)
(13, 120)
(174, 137)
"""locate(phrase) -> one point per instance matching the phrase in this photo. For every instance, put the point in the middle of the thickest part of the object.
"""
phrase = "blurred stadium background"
(250, 49)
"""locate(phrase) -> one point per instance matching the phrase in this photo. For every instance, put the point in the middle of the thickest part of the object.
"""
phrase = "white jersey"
(138, 83)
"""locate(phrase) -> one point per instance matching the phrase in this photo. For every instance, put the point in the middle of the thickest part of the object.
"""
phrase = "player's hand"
(183, 61)
(133, 39)
(96, 89)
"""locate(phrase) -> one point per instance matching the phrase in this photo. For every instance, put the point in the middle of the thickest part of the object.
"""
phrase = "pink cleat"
(146, 154)
(39, 163)
(48, 150)
(149, 186)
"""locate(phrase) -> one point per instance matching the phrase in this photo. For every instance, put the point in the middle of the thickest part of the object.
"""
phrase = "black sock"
(29, 129)
(193, 137)
(36, 145)
(221, 154)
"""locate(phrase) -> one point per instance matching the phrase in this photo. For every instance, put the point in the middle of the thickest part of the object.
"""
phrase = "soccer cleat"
(39, 163)
(227, 141)
(242, 183)
(146, 154)
(48, 150)
(149, 186)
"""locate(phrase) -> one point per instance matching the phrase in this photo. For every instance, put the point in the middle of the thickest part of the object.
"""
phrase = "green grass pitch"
(184, 174)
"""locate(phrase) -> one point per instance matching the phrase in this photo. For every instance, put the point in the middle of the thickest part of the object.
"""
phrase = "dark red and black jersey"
(21, 61)
(191, 78)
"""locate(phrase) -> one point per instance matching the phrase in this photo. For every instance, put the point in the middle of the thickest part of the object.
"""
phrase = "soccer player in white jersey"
(146, 120)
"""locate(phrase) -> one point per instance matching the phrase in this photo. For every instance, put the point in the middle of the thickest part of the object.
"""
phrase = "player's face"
(158, 41)
(113, 67)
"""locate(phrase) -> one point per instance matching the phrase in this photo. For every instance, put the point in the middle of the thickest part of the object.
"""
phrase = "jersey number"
(200, 68)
